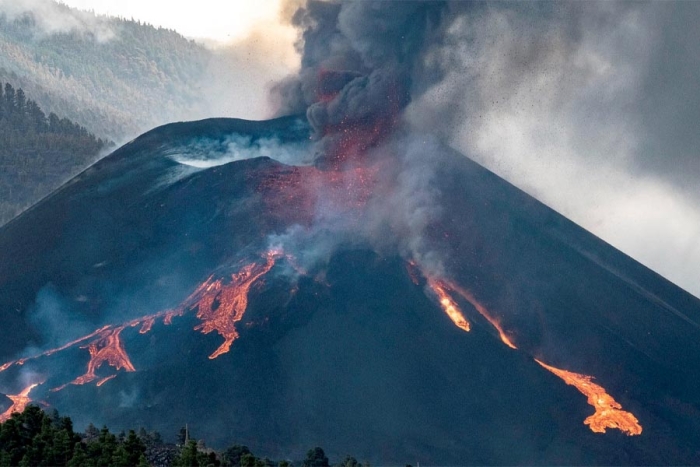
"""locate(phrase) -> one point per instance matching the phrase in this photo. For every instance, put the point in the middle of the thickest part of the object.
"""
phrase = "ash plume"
(586, 106)
(360, 61)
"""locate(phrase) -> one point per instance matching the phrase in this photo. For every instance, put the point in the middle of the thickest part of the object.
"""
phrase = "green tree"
(316, 458)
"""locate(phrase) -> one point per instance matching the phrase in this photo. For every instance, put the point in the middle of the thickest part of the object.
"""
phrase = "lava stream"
(107, 349)
(221, 306)
(50, 352)
(448, 305)
(608, 413)
(19, 403)
(465, 294)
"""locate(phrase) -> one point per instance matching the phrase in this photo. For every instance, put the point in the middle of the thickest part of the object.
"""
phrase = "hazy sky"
(220, 20)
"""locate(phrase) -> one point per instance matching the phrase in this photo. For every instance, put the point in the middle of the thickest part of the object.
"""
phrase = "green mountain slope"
(117, 78)
(37, 153)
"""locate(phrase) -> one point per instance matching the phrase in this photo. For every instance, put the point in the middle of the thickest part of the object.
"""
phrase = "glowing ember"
(608, 413)
(413, 272)
(301, 194)
(221, 306)
(19, 403)
(449, 306)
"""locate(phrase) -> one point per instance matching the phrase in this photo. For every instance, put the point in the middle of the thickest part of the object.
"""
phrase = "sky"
(591, 107)
(218, 20)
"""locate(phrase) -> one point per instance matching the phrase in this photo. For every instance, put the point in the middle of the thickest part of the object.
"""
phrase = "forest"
(35, 438)
(119, 81)
(37, 152)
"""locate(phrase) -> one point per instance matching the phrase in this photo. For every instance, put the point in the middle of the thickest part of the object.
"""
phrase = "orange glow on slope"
(219, 306)
(109, 349)
(19, 403)
(449, 306)
(22, 361)
(608, 413)
(441, 287)
(222, 306)
(465, 294)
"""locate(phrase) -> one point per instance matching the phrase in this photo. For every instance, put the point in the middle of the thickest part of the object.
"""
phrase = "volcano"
(409, 305)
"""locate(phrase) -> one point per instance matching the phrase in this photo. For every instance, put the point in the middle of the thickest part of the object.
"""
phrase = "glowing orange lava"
(442, 287)
(107, 348)
(608, 413)
(147, 325)
(221, 306)
(449, 306)
(104, 380)
(465, 294)
(19, 403)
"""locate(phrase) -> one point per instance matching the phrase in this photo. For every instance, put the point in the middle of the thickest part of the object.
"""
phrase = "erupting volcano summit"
(339, 278)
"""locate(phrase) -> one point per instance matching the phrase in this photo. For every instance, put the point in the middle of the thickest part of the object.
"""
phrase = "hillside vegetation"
(117, 79)
(38, 152)
(35, 438)
(94, 75)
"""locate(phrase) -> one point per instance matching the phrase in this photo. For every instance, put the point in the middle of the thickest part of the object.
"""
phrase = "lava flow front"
(608, 413)
(19, 403)
(448, 305)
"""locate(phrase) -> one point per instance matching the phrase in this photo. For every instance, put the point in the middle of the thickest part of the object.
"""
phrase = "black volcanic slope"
(354, 355)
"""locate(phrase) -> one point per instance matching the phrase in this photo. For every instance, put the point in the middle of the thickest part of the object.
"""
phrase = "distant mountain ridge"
(121, 78)
(110, 77)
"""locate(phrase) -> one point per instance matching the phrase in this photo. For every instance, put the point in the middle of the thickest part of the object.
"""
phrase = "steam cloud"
(590, 107)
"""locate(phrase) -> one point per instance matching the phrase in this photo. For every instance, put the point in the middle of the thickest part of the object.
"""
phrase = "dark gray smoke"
(591, 107)
(360, 61)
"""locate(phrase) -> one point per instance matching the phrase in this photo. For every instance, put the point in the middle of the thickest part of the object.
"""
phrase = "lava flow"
(449, 306)
(441, 287)
(465, 294)
(608, 413)
(19, 403)
(108, 348)
(221, 306)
